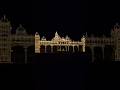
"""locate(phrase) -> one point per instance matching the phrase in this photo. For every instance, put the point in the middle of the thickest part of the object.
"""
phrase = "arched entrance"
(71, 49)
(109, 53)
(30, 54)
(55, 49)
(18, 54)
(42, 49)
(88, 52)
(48, 49)
(98, 54)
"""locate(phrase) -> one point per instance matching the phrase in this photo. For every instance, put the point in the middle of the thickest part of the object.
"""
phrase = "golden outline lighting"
(57, 41)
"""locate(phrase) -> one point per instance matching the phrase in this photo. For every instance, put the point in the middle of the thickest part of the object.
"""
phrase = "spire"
(86, 34)
(20, 30)
(20, 25)
(117, 23)
(4, 16)
(36, 33)
(56, 34)
(116, 26)
(4, 19)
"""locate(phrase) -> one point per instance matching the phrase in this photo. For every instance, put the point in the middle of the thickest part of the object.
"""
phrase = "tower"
(37, 43)
(115, 33)
(83, 43)
(5, 40)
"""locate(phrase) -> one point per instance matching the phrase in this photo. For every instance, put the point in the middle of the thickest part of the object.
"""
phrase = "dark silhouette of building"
(19, 47)
(98, 48)
(14, 47)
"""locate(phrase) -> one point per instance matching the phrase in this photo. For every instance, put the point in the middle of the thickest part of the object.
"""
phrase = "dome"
(4, 19)
(116, 26)
(20, 30)
(57, 37)
(67, 38)
(43, 38)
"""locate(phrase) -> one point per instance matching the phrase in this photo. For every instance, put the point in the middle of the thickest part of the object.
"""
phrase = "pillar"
(60, 48)
(92, 49)
(25, 48)
(66, 48)
(83, 47)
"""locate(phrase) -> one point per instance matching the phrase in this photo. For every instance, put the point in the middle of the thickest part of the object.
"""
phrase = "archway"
(18, 54)
(48, 49)
(76, 49)
(98, 54)
(42, 49)
(71, 49)
(88, 52)
(30, 54)
(109, 53)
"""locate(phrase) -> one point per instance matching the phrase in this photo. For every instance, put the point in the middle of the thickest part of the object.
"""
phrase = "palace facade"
(89, 44)
(9, 41)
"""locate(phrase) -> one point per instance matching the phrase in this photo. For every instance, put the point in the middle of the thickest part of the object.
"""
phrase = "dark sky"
(73, 17)
(76, 17)
(18, 12)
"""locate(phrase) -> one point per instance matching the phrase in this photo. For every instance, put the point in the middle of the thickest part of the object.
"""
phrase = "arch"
(30, 54)
(88, 52)
(42, 49)
(109, 53)
(18, 54)
(98, 54)
(71, 49)
(48, 49)
(63, 49)
(76, 49)
(55, 48)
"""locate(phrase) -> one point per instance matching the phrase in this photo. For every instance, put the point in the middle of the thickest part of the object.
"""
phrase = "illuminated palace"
(21, 47)
(89, 44)
(9, 42)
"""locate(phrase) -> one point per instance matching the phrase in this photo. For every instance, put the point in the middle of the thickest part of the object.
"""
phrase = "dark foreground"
(72, 71)
(60, 72)
(62, 58)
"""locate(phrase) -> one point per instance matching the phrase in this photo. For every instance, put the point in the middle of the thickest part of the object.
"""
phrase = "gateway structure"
(8, 41)
(86, 42)
(59, 42)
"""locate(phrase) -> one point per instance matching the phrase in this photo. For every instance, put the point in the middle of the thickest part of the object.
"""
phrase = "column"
(92, 49)
(83, 48)
(60, 48)
(103, 52)
(25, 48)
(66, 48)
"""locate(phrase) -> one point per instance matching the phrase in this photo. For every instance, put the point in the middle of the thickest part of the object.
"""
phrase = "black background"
(67, 17)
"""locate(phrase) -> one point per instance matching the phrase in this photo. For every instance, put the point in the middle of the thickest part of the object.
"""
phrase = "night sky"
(18, 12)
(73, 17)
(76, 17)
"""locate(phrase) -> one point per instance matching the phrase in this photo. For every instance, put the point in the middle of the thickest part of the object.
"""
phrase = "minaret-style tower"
(5, 40)
(115, 33)
(37, 42)
(83, 43)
